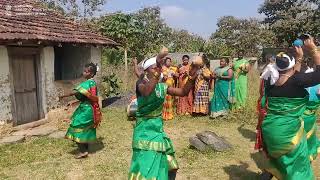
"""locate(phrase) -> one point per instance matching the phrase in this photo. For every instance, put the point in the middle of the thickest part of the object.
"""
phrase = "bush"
(111, 85)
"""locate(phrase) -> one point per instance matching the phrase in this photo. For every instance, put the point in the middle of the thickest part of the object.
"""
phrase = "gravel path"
(118, 101)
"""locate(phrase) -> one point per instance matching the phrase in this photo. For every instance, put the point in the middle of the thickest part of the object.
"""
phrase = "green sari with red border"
(82, 127)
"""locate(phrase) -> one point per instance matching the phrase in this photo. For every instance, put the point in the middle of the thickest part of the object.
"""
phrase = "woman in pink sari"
(185, 104)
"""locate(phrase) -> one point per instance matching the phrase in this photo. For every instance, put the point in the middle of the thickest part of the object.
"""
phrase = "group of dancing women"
(228, 81)
(153, 153)
(286, 131)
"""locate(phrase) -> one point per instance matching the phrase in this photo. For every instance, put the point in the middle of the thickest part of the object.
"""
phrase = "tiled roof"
(29, 20)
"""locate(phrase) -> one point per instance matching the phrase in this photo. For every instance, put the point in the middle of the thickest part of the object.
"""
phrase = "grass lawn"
(44, 158)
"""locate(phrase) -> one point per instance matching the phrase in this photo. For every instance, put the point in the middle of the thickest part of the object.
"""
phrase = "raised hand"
(193, 71)
(135, 61)
(160, 58)
(299, 52)
(309, 44)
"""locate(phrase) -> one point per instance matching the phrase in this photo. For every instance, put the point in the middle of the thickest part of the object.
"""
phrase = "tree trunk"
(126, 67)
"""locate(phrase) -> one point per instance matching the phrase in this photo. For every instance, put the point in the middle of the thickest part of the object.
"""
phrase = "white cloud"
(174, 13)
(181, 18)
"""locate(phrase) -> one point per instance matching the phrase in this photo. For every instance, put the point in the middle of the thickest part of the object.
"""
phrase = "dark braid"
(92, 68)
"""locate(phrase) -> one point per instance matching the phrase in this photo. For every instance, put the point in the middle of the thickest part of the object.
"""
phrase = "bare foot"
(82, 155)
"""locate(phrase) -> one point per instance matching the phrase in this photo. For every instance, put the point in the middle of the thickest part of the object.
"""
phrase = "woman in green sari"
(87, 116)
(153, 154)
(310, 121)
(241, 69)
(223, 89)
(283, 131)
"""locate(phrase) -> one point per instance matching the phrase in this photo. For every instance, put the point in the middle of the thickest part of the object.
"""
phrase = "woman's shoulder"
(91, 82)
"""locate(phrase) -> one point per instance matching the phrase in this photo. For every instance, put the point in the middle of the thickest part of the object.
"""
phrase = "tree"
(240, 34)
(183, 41)
(215, 49)
(155, 32)
(289, 18)
(75, 8)
(124, 29)
(142, 33)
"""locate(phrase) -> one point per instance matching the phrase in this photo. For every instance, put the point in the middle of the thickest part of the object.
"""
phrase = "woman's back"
(295, 86)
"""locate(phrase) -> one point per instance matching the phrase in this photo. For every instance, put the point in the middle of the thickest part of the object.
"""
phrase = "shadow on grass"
(259, 159)
(108, 101)
(240, 172)
(247, 133)
(93, 147)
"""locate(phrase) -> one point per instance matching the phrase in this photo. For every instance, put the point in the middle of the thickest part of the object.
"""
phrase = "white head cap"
(149, 63)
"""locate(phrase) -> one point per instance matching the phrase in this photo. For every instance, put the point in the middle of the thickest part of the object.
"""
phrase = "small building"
(40, 50)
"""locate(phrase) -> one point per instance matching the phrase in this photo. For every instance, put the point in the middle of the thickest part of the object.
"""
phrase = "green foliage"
(235, 34)
(111, 85)
(54, 6)
(143, 33)
(183, 41)
(215, 49)
(288, 19)
(123, 28)
(112, 56)
(155, 32)
(75, 8)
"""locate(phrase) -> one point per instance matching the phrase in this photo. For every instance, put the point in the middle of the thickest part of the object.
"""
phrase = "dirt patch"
(118, 101)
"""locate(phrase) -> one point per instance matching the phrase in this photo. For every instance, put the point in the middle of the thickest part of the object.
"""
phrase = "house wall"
(216, 63)
(177, 57)
(95, 57)
(75, 59)
(49, 89)
(72, 60)
(5, 91)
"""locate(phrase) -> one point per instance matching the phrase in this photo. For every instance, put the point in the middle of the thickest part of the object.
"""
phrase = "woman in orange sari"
(169, 74)
(201, 89)
(184, 105)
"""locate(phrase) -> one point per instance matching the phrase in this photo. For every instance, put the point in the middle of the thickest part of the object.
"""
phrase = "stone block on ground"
(197, 143)
(214, 141)
(57, 135)
(20, 133)
(31, 125)
(41, 131)
(12, 139)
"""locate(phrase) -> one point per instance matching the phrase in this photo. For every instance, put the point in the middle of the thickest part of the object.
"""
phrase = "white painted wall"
(50, 92)
(5, 87)
(95, 57)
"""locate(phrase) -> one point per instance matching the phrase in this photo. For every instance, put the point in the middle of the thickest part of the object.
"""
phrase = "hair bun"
(284, 61)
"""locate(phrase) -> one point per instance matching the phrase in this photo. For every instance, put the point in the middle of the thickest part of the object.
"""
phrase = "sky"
(197, 16)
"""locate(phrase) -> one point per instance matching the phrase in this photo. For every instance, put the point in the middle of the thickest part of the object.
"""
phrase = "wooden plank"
(14, 51)
(25, 86)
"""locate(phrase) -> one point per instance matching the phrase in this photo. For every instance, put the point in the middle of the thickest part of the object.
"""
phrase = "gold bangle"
(156, 75)
(299, 60)
(190, 78)
(314, 51)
